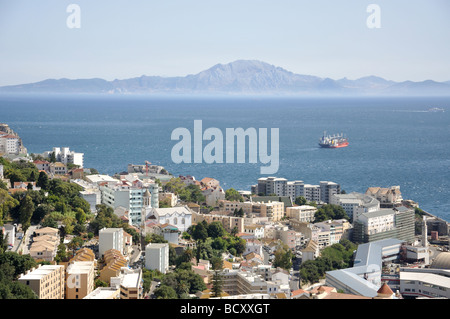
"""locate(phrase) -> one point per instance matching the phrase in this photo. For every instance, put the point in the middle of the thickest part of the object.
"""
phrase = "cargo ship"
(333, 141)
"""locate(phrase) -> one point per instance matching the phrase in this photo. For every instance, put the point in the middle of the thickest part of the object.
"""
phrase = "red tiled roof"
(385, 290)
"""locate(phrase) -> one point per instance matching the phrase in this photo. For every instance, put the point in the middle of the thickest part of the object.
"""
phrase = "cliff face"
(5, 129)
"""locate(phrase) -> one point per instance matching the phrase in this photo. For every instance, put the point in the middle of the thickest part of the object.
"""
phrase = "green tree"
(26, 211)
(165, 292)
(3, 242)
(233, 195)
(330, 211)
(238, 212)
(80, 216)
(20, 263)
(41, 211)
(283, 257)
(52, 158)
(215, 229)
(15, 176)
(300, 200)
(100, 283)
(61, 253)
(33, 176)
(7, 203)
(217, 282)
(42, 181)
(174, 185)
(199, 231)
(309, 273)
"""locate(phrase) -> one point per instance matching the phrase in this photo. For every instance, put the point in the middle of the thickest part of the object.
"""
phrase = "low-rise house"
(210, 182)
(311, 251)
(57, 168)
(170, 198)
(387, 196)
(253, 246)
(256, 230)
(42, 165)
(213, 195)
(114, 261)
(45, 244)
(180, 217)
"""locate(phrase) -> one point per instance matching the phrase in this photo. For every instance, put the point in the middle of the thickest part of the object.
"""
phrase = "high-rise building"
(131, 197)
(385, 223)
(157, 257)
(79, 279)
(110, 238)
(327, 189)
(293, 189)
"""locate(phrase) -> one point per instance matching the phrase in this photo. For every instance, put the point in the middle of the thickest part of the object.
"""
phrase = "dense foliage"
(11, 266)
(337, 256)
(330, 212)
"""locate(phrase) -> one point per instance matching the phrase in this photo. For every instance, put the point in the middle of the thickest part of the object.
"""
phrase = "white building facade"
(110, 238)
(157, 257)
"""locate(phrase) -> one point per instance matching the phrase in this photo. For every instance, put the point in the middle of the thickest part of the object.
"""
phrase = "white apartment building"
(157, 257)
(259, 280)
(331, 231)
(133, 197)
(378, 221)
(294, 189)
(66, 156)
(355, 204)
(311, 193)
(328, 189)
(9, 144)
(91, 193)
(110, 238)
(101, 179)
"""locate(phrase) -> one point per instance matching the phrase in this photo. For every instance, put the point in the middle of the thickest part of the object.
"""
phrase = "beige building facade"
(47, 281)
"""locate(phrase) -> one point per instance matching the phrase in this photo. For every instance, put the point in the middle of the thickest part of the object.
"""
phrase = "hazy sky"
(123, 39)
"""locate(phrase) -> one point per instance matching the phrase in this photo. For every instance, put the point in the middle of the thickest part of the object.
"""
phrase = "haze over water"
(393, 141)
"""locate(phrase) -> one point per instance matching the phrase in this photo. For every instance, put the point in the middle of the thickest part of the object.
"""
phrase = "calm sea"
(393, 141)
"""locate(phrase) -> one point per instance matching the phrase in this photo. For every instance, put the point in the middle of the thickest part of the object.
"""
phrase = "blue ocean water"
(393, 141)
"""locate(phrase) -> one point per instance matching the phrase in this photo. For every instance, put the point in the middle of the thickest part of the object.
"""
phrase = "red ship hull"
(333, 141)
(334, 146)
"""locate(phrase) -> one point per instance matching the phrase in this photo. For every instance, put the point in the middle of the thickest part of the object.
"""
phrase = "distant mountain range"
(239, 77)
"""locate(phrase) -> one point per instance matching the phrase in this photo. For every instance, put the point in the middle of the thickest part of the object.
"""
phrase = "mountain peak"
(236, 77)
